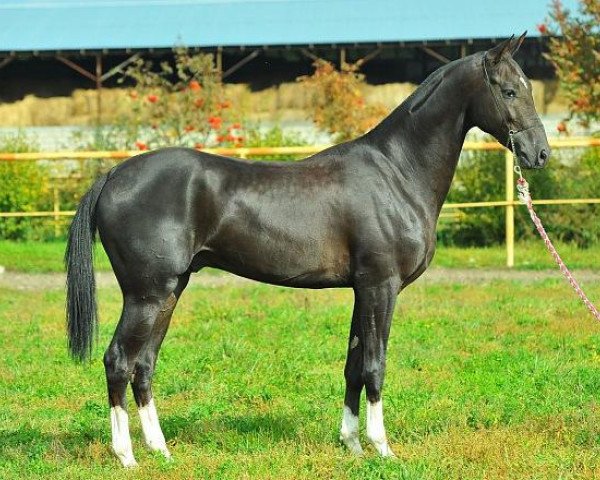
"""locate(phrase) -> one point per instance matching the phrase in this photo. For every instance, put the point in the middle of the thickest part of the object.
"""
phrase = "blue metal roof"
(38, 25)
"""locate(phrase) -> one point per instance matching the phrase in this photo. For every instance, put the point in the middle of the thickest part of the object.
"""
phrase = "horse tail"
(81, 310)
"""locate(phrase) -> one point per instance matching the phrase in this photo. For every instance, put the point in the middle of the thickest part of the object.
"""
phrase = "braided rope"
(525, 197)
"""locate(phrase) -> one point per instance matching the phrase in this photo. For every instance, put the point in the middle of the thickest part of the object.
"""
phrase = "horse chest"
(413, 245)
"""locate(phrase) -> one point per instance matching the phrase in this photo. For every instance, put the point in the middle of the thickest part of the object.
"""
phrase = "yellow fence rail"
(509, 203)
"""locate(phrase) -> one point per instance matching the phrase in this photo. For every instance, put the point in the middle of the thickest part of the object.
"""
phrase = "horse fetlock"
(121, 441)
(349, 432)
(153, 436)
(376, 430)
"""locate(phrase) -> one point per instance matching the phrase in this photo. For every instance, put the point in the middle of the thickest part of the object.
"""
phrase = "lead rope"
(525, 198)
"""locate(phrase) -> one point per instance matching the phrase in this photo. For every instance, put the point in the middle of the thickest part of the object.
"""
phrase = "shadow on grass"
(30, 444)
(229, 431)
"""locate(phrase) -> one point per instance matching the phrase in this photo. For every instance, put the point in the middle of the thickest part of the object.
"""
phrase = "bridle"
(511, 131)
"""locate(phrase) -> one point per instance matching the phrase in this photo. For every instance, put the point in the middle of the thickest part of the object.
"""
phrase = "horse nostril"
(543, 154)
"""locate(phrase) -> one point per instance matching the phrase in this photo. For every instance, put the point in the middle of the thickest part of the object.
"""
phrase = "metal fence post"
(510, 209)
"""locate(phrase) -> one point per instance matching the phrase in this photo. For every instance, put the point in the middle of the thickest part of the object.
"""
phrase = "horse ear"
(495, 54)
(517, 43)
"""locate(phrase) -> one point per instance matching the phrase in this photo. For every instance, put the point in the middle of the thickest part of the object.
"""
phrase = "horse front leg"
(372, 318)
(354, 385)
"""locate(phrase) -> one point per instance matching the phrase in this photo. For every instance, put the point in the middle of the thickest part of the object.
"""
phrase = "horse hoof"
(384, 450)
(128, 462)
(353, 446)
(126, 458)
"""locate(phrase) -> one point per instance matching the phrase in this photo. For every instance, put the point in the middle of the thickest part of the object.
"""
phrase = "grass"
(42, 257)
(38, 257)
(494, 381)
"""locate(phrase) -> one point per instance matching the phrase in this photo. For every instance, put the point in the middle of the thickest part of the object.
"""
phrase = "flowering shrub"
(574, 47)
(182, 104)
(337, 103)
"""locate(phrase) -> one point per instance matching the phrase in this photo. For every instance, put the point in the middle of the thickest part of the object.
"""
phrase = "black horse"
(361, 215)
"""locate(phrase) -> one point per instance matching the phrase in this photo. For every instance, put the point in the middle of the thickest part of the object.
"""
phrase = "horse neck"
(423, 137)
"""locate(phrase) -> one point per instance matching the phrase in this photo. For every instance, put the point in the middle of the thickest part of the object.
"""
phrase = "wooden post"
(219, 62)
(56, 210)
(98, 89)
(342, 57)
(510, 210)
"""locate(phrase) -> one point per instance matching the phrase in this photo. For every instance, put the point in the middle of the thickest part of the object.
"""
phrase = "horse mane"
(412, 105)
(418, 98)
(429, 86)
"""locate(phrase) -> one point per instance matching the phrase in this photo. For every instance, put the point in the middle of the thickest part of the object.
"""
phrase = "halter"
(511, 131)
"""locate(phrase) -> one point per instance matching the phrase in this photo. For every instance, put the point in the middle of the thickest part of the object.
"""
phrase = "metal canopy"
(100, 25)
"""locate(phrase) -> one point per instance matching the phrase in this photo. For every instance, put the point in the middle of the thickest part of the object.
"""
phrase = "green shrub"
(25, 188)
(275, 137)
(481, 177)
(571, 174)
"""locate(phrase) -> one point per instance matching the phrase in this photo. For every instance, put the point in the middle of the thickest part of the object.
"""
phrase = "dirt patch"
(48, 281)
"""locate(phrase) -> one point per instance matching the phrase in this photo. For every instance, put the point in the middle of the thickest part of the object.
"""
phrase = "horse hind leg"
(144, 370)
(134, 331)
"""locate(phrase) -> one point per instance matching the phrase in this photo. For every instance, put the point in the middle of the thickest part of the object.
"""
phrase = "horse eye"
(509, 93)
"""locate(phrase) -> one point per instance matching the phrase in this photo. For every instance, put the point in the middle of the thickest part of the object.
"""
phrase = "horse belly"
(288, 252)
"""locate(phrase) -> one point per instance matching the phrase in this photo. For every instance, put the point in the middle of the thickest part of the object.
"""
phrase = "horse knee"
(142, 382)
(373, 377)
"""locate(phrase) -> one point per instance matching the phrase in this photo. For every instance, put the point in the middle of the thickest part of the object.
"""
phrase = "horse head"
(505, 107)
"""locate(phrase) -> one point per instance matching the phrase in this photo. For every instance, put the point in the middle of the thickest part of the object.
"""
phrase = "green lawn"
(41, 257)
(47, 257)
(494, 381)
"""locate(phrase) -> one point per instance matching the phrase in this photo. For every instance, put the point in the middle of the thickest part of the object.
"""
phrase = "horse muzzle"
(531, 147)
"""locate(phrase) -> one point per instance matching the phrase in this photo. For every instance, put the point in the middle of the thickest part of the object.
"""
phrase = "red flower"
(220, 138)
(561, 127)
(199, 102)
(240, 139)
(215, 122)
(542, 28)
(152, 98)
(189, 128)
(230, 138)
(225, 104)
(236, 126)
(133, 94)
(195, 86)
(199, 146)
(141, 145)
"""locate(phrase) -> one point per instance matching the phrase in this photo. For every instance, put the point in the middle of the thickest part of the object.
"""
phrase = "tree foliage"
(575, 53)
(337, 103)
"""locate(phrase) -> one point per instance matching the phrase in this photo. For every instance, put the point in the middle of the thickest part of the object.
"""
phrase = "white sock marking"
(349, 431)
(121, 441)
(376, 430)
(153, 435)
